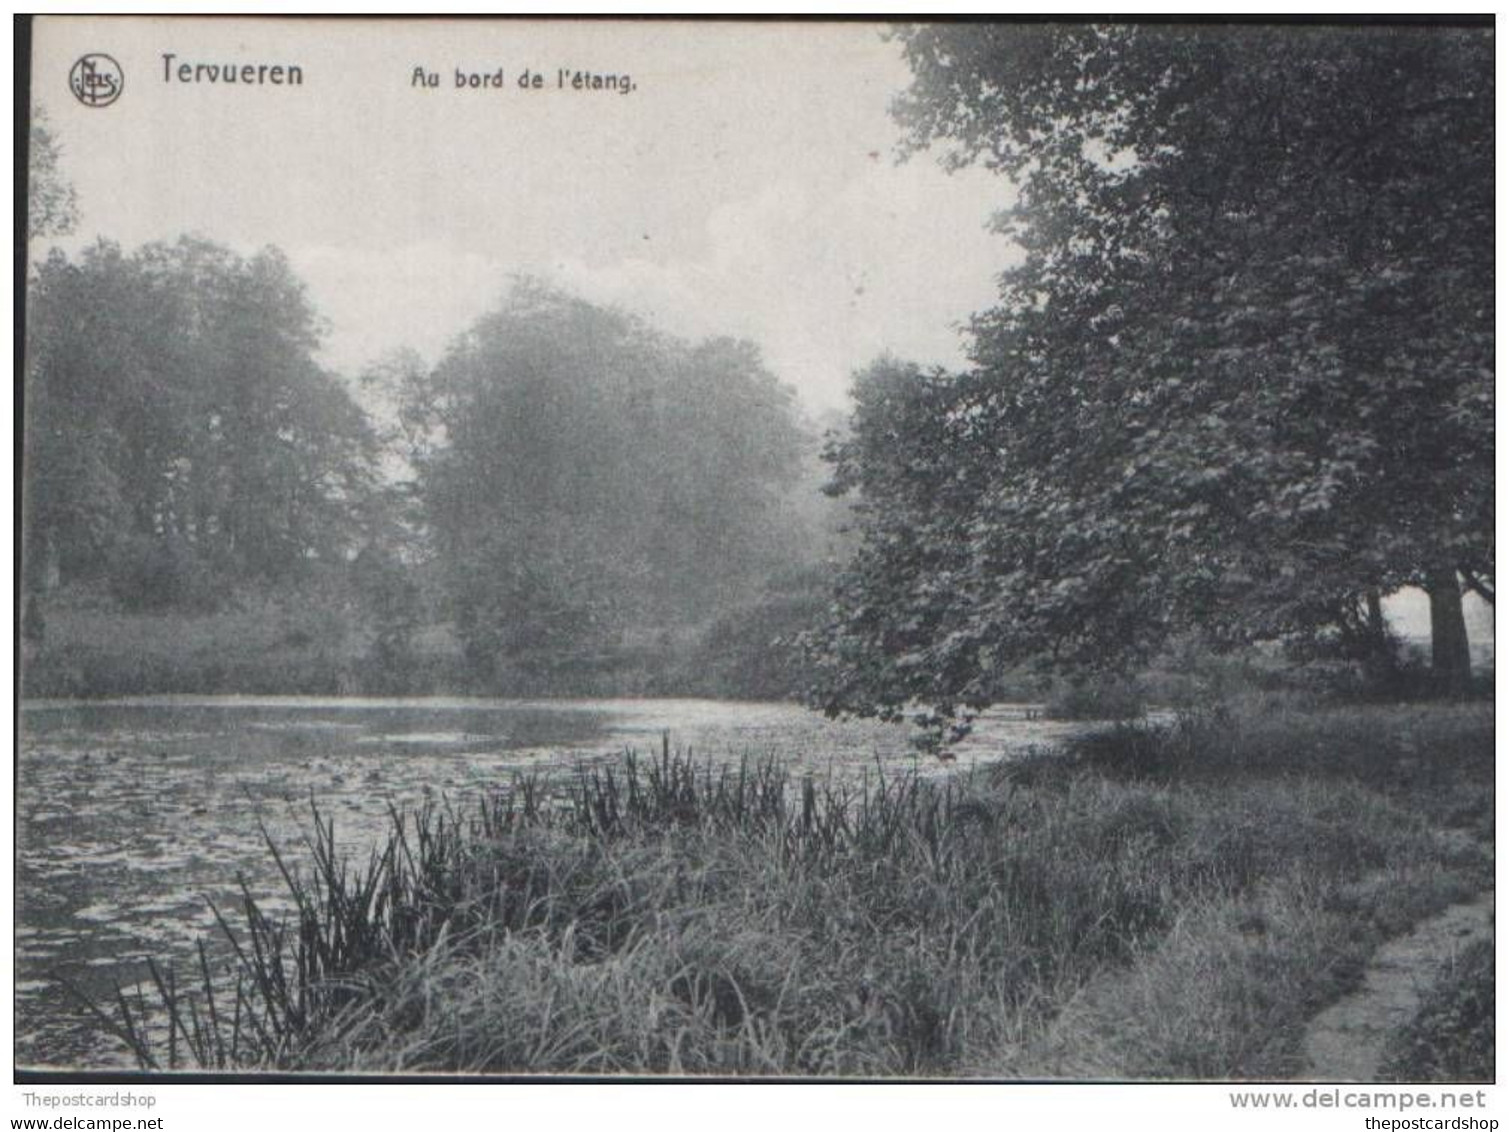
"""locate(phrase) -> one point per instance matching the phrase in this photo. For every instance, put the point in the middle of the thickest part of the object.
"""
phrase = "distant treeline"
(584, 503)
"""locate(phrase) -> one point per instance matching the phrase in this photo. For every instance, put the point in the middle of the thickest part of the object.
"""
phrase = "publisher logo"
(96, 80)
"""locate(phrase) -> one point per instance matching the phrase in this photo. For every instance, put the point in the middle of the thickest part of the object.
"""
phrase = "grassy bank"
(316, 643)
(1161, 902)
(259, 646)
(314, 639)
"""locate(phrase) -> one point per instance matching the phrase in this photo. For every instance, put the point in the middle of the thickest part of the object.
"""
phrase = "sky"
(747, 185)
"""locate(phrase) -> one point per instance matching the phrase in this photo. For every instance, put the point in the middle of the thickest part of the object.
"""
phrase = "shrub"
(755, 652)
(1452, 1037)
(155, 574)
(1096, 698)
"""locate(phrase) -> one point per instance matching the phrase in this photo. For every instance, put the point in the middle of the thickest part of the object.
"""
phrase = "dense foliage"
(1239, 383)
(588, 480)
(181, 436)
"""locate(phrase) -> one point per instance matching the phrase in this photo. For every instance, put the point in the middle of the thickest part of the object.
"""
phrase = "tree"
(587, 478)
(51, 202)
(180, 434)
(1242, 377)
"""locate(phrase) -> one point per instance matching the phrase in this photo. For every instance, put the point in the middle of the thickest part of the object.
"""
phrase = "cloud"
(892, 260)
(419, 295)
(824, 278)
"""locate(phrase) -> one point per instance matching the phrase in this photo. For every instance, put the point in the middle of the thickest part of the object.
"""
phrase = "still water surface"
(130, 813)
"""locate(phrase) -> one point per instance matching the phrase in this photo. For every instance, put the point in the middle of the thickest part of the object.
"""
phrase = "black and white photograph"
(765, 550)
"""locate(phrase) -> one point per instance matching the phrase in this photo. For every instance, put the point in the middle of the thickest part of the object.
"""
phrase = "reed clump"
(668, 915)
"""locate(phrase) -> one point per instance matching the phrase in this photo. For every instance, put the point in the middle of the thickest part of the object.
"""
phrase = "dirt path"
(1345, 1042)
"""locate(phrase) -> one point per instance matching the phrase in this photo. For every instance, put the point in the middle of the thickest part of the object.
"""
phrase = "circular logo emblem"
(96, 79)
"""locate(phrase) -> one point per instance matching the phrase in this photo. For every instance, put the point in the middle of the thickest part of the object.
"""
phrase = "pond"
(131, 813)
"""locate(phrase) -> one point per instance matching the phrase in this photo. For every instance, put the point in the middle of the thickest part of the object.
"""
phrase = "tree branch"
(1478, 586)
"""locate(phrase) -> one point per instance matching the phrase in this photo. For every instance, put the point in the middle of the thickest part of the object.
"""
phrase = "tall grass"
(665, 915)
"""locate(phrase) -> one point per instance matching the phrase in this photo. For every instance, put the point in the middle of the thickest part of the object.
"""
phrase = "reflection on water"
(132, 812)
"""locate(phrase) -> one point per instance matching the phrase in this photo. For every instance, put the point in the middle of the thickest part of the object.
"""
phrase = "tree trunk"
(1377, 626)
(1380, 661)
(1450, 660)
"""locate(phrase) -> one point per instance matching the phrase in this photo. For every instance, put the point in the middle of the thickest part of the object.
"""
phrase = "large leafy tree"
(1241, 379)
(585, 477)
(178, 422)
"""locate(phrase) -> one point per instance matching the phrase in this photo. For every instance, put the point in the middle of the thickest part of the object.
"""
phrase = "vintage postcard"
(757, 548)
